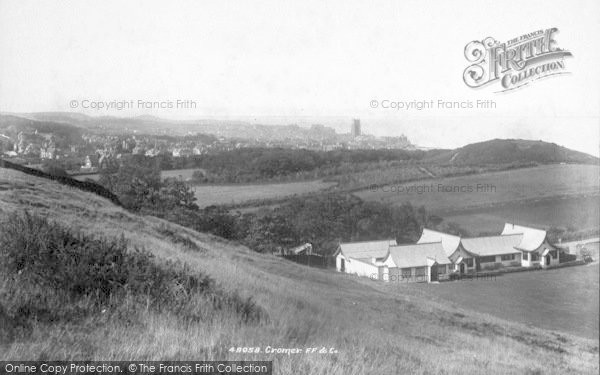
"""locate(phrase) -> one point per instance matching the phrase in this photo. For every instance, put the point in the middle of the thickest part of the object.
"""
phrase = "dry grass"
(376, 329)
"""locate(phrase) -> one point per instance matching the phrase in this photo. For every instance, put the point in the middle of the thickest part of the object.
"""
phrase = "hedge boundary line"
(68, 181)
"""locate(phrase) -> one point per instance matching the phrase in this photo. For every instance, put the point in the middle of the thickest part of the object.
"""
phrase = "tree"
(135, 185)
(175, 192)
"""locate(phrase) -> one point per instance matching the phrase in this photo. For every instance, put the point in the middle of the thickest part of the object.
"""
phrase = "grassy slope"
(546, 195)
(510, 151)
(512, 185)
(565, 298)
(376, 329)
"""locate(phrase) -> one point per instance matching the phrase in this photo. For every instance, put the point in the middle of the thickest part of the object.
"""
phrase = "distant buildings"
(35, 146)
(6, 144)
(436, 255)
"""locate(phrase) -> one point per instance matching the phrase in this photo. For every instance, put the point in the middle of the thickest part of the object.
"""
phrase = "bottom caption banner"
(137, 367)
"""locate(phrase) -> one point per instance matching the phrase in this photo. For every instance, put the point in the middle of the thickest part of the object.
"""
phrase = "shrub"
(54, 274)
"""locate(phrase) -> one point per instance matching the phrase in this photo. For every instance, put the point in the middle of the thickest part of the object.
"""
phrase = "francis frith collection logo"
(515, 63)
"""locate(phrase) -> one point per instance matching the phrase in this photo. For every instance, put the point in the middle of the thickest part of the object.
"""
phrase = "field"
(579, 212)
(564, 299)
(551, 195)
(227, 194)
(208, 195)
(185, 174)
(373, 327)
(562, 195)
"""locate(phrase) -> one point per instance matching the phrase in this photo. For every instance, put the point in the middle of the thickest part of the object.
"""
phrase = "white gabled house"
(386, 260)
(452, 247)
(516, 246)
(436, 255)
(419, 262)
(363, 258)
(492, 252)
(534, 246)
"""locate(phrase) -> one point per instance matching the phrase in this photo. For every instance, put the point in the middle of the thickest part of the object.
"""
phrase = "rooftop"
(532, 237)
(492, 245)
(366, 249)
(450, 242)
(406, 256)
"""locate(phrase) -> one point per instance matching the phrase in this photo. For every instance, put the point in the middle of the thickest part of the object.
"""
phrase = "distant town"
(101, 142)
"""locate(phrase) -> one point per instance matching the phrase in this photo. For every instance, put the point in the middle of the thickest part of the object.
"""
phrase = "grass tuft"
(52, 274)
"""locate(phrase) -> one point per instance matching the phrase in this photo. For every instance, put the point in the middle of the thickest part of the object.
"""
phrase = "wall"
(356, 267)
(553, 260)
(499, 263)
(338, 262)
(465, 255)
(395, 275)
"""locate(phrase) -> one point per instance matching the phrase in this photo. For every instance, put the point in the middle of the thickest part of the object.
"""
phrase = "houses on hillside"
(437, 255)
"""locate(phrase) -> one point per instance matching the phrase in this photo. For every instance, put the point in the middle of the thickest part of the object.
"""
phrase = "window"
(535, 256)
(406, 272)
(553, 254)
(421, 271)
(488, 259)
(469, 262)
(508, 257)
(525, 256)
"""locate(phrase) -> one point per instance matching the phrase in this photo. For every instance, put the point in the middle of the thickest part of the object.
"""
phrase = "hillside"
(375, 328)
(504, 151)
(65, 134)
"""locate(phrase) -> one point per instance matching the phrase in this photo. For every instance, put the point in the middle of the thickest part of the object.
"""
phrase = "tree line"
(274, 164)
(321, 219)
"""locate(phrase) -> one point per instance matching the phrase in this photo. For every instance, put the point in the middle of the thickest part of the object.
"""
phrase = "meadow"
(227, 194)
(578, 212)
(373, 328)
(559, 195)
(564, 299)
(231, 194)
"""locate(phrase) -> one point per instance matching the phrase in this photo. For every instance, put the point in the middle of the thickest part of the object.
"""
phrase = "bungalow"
(436, 255)
(492, 252)
(452, 248)
(534, 246)
(419, 262)
(362, 258)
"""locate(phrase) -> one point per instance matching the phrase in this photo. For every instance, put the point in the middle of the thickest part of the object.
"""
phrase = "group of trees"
(141, 188)
(325, 220)
(321, 219)
(276, 164)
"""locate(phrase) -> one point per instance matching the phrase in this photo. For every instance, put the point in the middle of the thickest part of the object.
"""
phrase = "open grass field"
(564, 299)
(228, 194)
(208, 195)
(558, 195)
(580, 212)
(374, 328)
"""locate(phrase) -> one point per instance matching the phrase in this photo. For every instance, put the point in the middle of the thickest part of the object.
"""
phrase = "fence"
(312, 260)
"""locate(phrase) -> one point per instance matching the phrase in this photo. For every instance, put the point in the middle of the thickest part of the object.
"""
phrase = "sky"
(279, 62)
